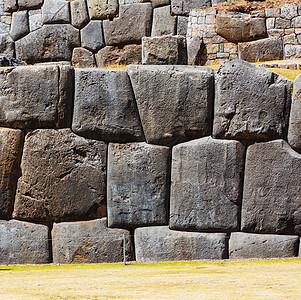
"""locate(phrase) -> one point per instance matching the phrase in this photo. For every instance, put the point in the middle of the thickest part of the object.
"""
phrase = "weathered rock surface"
(250, 102)
(63, 177)
(249, 245)
(35, 19)
(292, 51)
(195, 49)
(138, 175)
(240, 27)
(157, 3)
(92, 36)
(27, 4)
(89, 242)
(10, 5)
(164, 50)
(49, 43)
(9, 61)
(36, 96)
(20, 25)
(261, 50)
(101, 9)
(7, 45)
(272, 191)
(163, 22)
(159, 243)
(182, 25)
(206, 182)
(126, 55)
(294, 129)
(83, 58)
(174, 102)
(23, 243)
(129, 30)
(104, 106)
(182, 7)
(56, 11)
(10, 155)
(79, 13)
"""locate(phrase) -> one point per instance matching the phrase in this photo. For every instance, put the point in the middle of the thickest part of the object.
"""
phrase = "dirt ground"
(270, 279)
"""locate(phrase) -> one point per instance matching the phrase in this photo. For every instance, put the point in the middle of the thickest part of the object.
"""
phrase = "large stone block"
(35, 19)
(261, 50)
(127, 29)
(206, 183)
(10, 5)
(164, 50)
(272, 190)
(23, 243)
(104, 106)
(20, 25)
(79, 13)
(92, 36)
(240, 27)
(36, 96)
(294, 129)
(195, 49)
(250, 102)
(63, 177)
(183, 7)
(11, 142)
(138, 189)
(159, 243)
(163, 22)
(56, 11)
(83, 58)
(49, 43)
(28, 4)
(101, 9)
(7, 45)
(174, 102)
(89, 242)
(249, 245)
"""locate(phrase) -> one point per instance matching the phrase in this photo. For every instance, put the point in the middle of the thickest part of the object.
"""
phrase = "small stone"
(4, 28)
(20, 25)
(296, 22)
(250, 245)
(270, 23)
(138, 175)
(195, 49)
(182, 25)
(92, 36)
(56, 11)
(30, 4)
(272, 12)
(282, 23)
(101, 9)
(159, 243)
(275, 32)
(79, 13)
(174, 102)
(9, 61)
(10, 5)
(163, 22)
(292, 51)
(23, 243)
(183, 7)
(104, 106)
(289, 11)
(35, 19)
(164, 50)
(157, 3)
(89, 242)
(83, 58)
(290, 39)
(7, 45)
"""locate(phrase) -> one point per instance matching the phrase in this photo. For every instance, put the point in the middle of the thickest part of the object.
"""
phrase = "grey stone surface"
(292, 51)
(129, 30)
(289, 11)
(9, 61)
(138, 176)
(261, 50)
(83, 58)
(63, 177)
(294, 129)
(249, 245)
(240, 27)
(174, 102)
(49, 43)
(157, 3)
(36, 96)
(250, 102)
(159, 243)
(35, 19)
(195, 49)
(164, 50)
(104, 106)
(20, 25)
(182, 25)
(206, 182)
(79, 13)
(7, 45)
(4, 27)
(92, 36)
(89, 242)
(23, 243)
(163, 22)
(10, 5)
(182, 7)
(11, 141)
(56, 11)
(26, 4)
(101, 9)
(272, 191)
(282, 23)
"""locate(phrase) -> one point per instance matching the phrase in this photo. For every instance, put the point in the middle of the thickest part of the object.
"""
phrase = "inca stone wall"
(157, 162)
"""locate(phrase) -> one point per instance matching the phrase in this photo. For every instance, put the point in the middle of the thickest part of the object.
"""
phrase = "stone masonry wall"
(176, 161)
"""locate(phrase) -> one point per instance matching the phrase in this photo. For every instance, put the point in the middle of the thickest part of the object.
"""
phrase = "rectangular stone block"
(101, 9)
(183, 7)
(23, 243)
(163, 22)
(36, 96)
(159, 243)
(249, 245)
(26, 4)
(89, 242)
(56, 11)
(63, 177)
(138, 189)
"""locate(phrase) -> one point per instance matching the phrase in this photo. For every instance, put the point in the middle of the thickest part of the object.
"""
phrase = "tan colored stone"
(83, 58)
